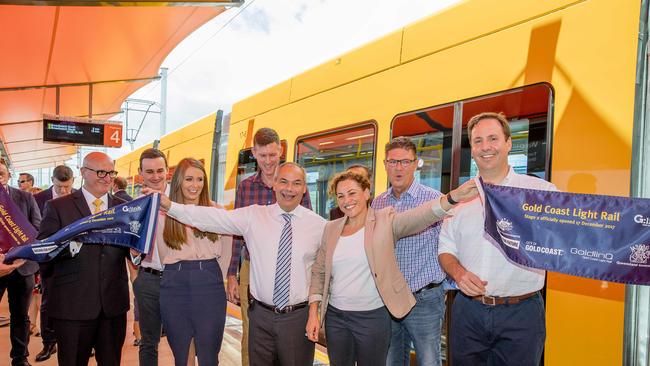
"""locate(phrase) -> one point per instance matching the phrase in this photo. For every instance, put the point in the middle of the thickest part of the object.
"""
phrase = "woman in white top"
(192, 294)
(356, 279)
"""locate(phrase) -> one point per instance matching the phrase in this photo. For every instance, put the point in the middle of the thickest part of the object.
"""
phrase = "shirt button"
(375, 274)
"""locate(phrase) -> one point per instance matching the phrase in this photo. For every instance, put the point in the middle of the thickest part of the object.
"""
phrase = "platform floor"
(230, 354)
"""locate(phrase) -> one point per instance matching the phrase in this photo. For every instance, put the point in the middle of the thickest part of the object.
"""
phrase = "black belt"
(153, 271)
(428, 287)
(275, 309)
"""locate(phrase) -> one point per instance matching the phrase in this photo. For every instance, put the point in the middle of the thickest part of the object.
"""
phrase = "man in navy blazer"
(62, 181)
(20, 283)
(89, 294)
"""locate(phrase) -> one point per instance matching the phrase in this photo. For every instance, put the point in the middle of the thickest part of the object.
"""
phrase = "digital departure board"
(81, 131)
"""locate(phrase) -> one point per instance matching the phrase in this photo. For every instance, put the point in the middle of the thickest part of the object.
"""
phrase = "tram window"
(325, 154)
(527, 110)
(431, 131)
(247, 165)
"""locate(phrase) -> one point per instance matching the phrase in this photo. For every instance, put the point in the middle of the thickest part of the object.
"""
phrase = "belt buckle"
(491, 303)
(284, 310)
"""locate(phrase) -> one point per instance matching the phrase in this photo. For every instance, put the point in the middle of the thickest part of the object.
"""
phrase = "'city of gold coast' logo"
(134, 226)
(640, 253)
(504, 227)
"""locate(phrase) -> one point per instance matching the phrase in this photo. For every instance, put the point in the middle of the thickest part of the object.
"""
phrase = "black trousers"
(20, 289)
(146, 288)
(47, 328)
(76, 338)
(279, 339)
(357, 337)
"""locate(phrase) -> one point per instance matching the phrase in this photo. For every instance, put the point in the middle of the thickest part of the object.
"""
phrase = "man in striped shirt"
(254, 190)
(417, 257)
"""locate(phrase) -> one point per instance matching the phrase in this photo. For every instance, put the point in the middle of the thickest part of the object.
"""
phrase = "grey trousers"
(147, 294)
(279, 339)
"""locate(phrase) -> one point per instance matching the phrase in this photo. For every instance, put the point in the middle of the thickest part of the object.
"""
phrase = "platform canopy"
(89, 58)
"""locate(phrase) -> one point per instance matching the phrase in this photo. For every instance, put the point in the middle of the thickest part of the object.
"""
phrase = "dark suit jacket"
(42, 197)
(123, 195)
(95, 279)
(25, 201)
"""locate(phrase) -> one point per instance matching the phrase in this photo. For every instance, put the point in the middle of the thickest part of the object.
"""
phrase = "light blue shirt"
(417, 255)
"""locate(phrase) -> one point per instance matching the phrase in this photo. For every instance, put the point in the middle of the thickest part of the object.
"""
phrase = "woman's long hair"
(175, 233)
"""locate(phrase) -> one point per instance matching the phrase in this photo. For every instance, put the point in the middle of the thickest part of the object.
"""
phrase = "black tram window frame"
(367, 123)
(458, 122)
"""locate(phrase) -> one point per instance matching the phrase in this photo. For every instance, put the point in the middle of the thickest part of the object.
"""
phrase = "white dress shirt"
(90, 199)
(464, 237)
(261, 227)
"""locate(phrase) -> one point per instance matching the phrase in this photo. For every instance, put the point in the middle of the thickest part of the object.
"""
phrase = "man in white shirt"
(146, 285)
(498, 317)
(282, 240)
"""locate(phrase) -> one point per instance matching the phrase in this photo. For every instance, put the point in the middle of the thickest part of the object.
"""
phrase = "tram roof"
(116, 49)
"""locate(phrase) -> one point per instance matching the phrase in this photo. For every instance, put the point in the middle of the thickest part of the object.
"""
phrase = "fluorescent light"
(360, 136)
(326, 143)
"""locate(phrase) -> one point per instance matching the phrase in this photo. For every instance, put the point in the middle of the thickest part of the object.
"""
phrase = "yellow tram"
(563, 72)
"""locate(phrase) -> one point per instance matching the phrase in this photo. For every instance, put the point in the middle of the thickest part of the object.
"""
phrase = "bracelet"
(451, 200)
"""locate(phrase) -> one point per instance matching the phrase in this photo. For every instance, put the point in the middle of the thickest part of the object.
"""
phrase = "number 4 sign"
(113, 135)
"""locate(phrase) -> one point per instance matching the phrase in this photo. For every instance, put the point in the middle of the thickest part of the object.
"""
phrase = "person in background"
(19, 283)
(62, 181)
(356, 271)
(254, 190)
(417, 256)
(119, 189)
(336, 212)
(192, 293)
(498, 317)
(25, 181)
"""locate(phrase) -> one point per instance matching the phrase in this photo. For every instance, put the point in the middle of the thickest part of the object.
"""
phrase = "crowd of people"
(373, 277)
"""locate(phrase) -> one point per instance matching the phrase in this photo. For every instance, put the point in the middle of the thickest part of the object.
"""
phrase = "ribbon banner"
(131, 224)
(15, 228)
(601, 237)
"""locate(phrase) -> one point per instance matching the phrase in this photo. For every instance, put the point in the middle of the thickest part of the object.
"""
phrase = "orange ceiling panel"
(53, 45)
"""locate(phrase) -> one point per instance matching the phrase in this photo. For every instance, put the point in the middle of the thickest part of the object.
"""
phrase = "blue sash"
(15, 228)
(131, 224)
(600, 237)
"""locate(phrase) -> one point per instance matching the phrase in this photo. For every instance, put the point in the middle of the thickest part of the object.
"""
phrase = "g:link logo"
(639, 219)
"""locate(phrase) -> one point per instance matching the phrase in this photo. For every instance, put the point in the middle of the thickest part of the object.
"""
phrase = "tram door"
(440, 135)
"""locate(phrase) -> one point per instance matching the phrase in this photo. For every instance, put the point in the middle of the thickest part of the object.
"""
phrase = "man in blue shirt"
(417, 256)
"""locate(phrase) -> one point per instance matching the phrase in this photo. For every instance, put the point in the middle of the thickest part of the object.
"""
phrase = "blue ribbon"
(594, 236)
(131, 225)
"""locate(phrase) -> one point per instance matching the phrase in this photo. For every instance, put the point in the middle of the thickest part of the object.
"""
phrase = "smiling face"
(352, 198)
(289, 187)
(490, 148)
(192, 185)
(268, 157)
(92, 163)
(154, 173)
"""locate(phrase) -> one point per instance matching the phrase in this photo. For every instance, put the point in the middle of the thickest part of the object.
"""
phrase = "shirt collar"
(257, 178)
(509, 177)
(413, 190)
(278, 211)
(90, 198)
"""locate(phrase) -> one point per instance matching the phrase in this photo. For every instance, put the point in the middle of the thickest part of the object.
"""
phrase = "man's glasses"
(23, 181)
(404, 162)
(103, 173)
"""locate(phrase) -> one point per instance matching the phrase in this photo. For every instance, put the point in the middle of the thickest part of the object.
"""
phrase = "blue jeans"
(508, 334)
(423, 325)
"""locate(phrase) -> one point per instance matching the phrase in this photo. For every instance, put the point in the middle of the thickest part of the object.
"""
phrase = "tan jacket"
(383, 228)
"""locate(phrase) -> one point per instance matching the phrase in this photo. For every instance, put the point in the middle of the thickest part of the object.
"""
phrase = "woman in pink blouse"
(192, 295)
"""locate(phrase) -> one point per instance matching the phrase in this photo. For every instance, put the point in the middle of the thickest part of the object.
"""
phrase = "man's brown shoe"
(46, 353)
